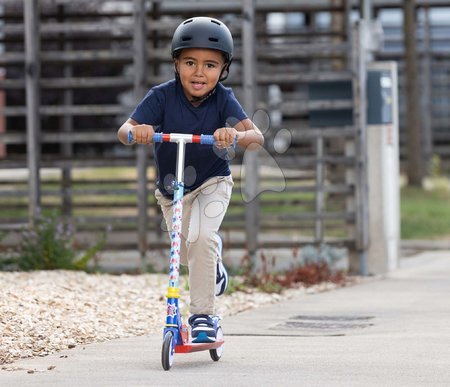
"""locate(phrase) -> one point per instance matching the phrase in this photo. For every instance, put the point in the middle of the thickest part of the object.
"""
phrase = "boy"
(196, 102)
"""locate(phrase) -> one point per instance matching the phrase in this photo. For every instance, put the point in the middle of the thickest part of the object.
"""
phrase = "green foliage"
(435, 166)
(6, 257)
(49, 244)
(234, 284)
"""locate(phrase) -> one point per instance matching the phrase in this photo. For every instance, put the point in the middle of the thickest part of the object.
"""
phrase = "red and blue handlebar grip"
(205, 139)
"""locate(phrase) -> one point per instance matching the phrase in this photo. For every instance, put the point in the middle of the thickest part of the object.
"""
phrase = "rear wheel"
(216, 353)
(167, 352)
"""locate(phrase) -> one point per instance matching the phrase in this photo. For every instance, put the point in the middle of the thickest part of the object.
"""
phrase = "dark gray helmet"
(203, 32)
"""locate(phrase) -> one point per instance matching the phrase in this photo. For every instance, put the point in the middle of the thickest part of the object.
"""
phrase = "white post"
(383, 168)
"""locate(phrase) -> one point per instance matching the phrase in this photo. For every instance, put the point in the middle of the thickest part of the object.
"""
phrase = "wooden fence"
(75, 74)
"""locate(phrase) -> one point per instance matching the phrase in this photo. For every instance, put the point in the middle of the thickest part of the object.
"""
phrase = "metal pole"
(32, 75)
(365, 9)
(251, 158)
(366, 17)
(140, 63)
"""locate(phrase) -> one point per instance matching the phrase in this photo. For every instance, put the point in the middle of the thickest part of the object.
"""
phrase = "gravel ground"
(46, 311)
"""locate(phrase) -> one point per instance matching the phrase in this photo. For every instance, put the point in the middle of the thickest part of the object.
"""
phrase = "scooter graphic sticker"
(171, 310)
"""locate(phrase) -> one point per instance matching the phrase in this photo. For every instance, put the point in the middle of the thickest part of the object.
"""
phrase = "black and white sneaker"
(203, 329)
(221, 272)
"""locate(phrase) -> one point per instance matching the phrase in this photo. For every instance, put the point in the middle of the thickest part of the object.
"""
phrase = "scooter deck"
(195, 347)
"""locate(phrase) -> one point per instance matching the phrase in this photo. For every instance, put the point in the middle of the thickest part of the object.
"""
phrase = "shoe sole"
(203, 338)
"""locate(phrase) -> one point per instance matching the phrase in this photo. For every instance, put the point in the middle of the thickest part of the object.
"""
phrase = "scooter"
(176, 335)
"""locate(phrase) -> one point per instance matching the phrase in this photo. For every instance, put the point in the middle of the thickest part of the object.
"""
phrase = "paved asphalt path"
(390, 331)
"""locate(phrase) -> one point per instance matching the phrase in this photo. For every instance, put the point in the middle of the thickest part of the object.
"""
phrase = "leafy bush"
(49, 244)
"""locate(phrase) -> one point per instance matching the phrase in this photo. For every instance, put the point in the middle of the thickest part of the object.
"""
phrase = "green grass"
(425, 214)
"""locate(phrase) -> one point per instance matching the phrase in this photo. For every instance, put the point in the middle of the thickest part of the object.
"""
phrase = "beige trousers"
(203, 212)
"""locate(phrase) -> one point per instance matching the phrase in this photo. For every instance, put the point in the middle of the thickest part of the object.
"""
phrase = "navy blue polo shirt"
(167, 109)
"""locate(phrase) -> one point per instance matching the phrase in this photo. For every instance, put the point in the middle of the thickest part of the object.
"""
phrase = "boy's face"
(199, 70)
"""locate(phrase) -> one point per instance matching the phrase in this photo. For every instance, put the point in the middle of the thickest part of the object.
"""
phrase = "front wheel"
(167, 352)
(216, 353)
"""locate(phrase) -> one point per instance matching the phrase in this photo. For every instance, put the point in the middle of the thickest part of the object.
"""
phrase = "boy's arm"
(142, 134)
(248, 135)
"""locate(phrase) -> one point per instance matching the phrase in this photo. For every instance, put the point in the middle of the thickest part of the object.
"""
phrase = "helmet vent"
(213, 39)
(186, 38)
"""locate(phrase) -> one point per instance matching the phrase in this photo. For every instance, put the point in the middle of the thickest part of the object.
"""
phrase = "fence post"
(2, 106)
(250, 189)
(67, 125)
(140, 64)
(32, 75)
(360, 122)
(320, 195)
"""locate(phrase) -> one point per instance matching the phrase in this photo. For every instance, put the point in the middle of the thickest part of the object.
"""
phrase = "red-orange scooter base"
(195, 347)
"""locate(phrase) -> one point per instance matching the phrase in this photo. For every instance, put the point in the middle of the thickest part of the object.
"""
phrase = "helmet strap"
(205, 97)
(225, 71)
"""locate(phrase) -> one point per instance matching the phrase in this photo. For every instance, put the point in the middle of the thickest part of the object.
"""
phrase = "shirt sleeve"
(150, 110)
(234, 112)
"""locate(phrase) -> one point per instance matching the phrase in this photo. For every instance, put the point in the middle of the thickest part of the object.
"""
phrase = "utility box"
(383, 167)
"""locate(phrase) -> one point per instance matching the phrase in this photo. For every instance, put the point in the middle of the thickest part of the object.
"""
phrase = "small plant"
(6, 256)
(435, 166)
(315, 266)
(234, 285)
(49, 244)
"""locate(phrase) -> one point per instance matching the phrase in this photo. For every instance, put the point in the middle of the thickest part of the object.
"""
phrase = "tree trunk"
(412, 117)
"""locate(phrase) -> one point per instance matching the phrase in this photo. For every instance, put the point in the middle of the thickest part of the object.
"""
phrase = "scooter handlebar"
(205, 139)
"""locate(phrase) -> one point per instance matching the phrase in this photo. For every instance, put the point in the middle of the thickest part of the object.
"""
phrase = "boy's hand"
(224, 137)
(142, 134)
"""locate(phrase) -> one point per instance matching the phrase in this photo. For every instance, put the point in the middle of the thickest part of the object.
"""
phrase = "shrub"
(49, 244)
(315, 266)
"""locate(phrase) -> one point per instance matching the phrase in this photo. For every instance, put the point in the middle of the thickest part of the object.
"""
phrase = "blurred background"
(352, 97)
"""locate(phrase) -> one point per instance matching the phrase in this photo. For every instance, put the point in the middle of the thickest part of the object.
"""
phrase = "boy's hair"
(204, 32)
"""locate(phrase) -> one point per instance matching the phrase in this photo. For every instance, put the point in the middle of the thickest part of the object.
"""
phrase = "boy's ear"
(175, 65)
